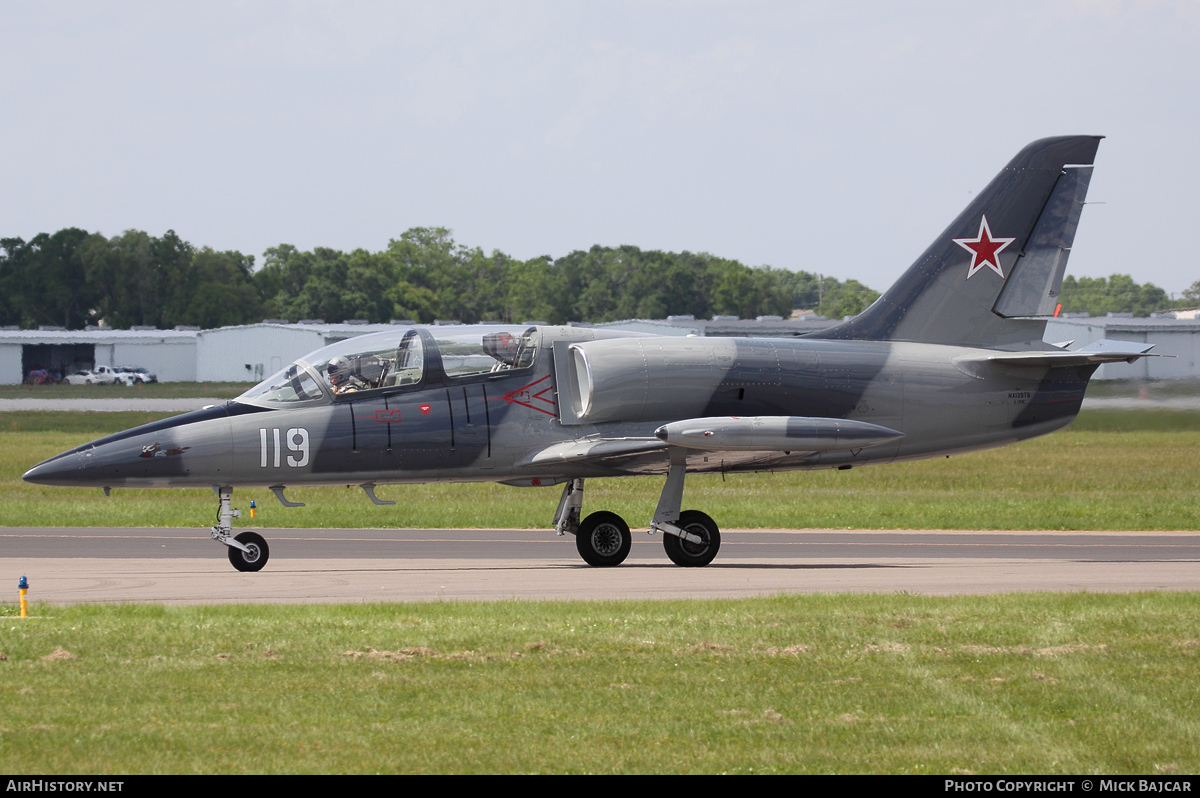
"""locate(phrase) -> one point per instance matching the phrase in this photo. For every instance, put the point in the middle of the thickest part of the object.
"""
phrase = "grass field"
(1111, 470)
(1023, 683)
(1154, 389)
(1035, 683)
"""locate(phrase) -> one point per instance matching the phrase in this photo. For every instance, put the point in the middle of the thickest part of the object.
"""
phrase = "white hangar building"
(171, 354)
(253, 352)
(247, 353)
(1177, 340)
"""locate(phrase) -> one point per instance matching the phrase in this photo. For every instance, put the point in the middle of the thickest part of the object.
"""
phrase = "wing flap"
(591, 450)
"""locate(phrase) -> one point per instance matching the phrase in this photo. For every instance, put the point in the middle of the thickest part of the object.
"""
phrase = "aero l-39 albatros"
(950, 359)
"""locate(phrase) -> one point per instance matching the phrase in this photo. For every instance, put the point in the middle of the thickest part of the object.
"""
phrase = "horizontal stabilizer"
(774, 433)
(1102, 351)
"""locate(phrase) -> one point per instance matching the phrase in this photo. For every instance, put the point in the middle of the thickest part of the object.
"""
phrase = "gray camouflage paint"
(478, 429)
(914, 362)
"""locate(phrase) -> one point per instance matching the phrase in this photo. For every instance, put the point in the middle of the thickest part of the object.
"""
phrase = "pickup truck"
(100, 375)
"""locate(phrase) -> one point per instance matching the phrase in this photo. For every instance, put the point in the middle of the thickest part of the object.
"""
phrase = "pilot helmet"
(338, 370)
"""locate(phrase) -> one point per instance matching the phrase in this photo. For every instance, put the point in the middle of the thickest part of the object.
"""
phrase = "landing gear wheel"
(693, 555)
(252, 560)
(603, 539)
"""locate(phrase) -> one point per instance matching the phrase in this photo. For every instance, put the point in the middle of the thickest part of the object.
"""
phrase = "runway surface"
(183, 566)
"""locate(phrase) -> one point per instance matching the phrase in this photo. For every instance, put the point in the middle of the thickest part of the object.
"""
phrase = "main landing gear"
(248, 551)
(602, 538)
(688, 552)
(691, 538)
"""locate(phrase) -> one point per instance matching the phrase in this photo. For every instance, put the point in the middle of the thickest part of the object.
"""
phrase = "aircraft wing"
(591, 449)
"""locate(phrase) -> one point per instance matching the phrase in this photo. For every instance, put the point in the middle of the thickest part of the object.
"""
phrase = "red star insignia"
(984, 249)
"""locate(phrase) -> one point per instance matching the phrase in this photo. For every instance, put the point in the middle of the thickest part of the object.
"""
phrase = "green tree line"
(1120, 294)
(73, 278)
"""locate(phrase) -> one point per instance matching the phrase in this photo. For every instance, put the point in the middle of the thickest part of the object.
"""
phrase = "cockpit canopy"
(393, 361)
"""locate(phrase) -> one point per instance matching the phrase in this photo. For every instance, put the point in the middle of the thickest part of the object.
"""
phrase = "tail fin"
(1004, 256)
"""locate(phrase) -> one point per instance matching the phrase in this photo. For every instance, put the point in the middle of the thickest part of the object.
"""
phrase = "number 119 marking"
(297, 441)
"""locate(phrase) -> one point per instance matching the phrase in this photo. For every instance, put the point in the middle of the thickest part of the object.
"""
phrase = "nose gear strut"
(248, 551)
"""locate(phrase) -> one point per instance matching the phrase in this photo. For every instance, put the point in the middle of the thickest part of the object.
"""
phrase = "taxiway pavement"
(182, 566)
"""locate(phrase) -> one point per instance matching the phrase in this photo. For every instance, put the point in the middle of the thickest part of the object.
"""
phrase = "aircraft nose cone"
(55, 471)
(187, 449)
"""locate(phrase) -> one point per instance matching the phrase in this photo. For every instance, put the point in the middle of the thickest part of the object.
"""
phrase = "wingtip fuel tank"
(775, 433)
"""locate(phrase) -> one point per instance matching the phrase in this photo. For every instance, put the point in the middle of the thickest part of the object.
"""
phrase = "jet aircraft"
(950, 359)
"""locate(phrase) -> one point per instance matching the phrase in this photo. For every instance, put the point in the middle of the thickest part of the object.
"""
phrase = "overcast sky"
(834, 137)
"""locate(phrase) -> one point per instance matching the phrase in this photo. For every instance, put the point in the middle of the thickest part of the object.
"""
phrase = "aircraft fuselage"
(481, 427)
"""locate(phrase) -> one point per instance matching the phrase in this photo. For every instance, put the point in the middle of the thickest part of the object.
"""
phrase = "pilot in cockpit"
(363, 372)
(504, 347)
(341, 379)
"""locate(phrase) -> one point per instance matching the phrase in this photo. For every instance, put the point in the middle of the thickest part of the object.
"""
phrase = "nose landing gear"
(252, 556)
(248, 551)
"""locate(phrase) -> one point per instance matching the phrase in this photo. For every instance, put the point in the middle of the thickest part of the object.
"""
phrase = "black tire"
(253, 560)
(693, 555)
(603, 539)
